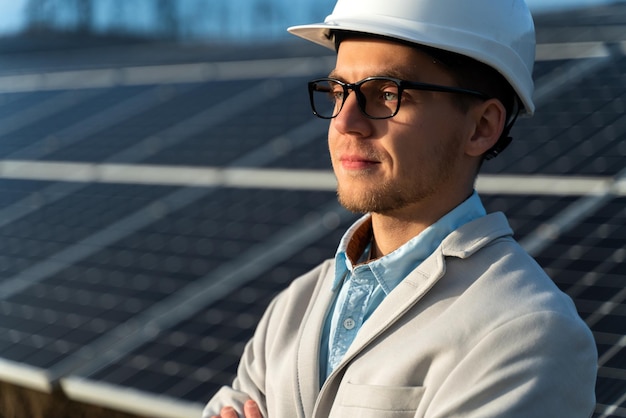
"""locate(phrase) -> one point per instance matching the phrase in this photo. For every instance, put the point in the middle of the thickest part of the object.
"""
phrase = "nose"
(351, 119)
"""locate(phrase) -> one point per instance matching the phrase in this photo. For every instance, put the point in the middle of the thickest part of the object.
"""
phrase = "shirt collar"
(352, 248)
(393, 267)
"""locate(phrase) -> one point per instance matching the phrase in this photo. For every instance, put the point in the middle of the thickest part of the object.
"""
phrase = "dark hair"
(471, 74)
(468, 73)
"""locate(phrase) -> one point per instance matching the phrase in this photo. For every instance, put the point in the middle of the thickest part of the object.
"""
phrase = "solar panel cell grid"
(581, 130)
(587, 262)
(544, 68)
(52, 227)
(526, 213)
(88, 299)
(53, 118)
(12, 104)
(313, 156)
(12, 191)
(246, 128)
(161, 108)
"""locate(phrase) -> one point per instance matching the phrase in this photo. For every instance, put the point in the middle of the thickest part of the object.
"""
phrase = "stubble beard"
(388, 197)
(382, 198)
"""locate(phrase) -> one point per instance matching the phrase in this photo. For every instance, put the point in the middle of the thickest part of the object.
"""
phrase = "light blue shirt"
(359, 288)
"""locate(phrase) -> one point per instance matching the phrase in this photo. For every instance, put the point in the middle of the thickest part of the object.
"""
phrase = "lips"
(357, 162)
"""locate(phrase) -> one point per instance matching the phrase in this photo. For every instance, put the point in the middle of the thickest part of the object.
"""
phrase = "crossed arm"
(250, 410)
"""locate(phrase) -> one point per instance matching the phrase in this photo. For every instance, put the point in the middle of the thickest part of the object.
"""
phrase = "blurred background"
(197, 20)
(162, 178)
(186, 20)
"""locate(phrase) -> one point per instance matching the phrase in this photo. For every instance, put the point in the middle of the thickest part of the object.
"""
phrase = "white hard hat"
(499, 33)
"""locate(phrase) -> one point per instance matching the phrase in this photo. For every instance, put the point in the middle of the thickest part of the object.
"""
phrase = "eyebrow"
(390, 72)
(333, 74)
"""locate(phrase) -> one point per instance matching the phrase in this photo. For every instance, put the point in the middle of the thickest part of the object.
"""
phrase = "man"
(430, 308)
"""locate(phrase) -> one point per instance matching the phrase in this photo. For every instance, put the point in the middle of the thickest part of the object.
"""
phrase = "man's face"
(410, 161)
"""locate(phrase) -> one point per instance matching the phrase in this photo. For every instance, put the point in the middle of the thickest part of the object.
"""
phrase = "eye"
(336, 94)
(387, 91)
(390, 92)
(390, 96)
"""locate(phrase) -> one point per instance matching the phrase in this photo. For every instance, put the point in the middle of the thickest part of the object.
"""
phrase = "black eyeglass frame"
(402, 85)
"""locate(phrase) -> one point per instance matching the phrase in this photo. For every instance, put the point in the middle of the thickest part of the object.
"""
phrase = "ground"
(19, 402)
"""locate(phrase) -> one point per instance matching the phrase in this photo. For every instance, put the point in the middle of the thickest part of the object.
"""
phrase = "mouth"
(357, 162)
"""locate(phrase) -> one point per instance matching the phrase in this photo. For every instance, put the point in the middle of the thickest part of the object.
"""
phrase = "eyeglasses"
(377, 97)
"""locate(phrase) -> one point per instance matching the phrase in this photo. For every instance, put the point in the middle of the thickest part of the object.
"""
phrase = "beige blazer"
(477, 330)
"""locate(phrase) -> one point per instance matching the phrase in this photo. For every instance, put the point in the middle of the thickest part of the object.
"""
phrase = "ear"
(489, 118)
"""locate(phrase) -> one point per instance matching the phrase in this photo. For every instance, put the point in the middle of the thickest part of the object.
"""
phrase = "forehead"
(364, 57)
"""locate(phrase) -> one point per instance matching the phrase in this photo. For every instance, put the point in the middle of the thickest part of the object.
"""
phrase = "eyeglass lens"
(377, 98)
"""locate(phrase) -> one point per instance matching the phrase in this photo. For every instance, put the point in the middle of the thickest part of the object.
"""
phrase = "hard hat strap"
(505, 139)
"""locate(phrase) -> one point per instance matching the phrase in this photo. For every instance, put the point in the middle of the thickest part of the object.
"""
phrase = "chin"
(382, 199)
(370, 202)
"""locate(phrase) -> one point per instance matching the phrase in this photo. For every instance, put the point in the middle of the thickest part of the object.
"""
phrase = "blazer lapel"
(308, 354)
(408, 292)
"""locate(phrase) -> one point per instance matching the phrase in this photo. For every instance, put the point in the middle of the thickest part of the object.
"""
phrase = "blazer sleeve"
(250, 380)
(548, 371)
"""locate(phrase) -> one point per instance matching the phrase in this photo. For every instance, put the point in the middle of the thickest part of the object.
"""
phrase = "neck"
(391, 233)
(392, 230)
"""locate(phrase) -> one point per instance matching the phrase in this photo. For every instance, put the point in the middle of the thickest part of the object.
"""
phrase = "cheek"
(333, 134)
(410, 145)
(417, 150)
(332, 145)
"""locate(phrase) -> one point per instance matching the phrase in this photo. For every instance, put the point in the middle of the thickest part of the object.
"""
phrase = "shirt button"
(349, 323)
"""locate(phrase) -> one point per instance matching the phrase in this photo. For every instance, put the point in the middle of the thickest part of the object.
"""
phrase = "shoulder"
(310, 282)
(294, 300)
(503, 282)
(503, 276)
